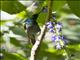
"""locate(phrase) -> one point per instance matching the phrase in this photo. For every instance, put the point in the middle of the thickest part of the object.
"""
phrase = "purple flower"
(58, 46)
(50, 26)
(51, 30)
(48, 23)
(64, 39)
(53, 38)
(59, 23)
(58, 26)
(59, 37)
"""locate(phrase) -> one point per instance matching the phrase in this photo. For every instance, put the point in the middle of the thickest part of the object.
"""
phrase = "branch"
(37, 44)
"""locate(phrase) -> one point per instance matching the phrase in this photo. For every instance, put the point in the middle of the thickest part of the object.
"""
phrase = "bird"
(32, 28)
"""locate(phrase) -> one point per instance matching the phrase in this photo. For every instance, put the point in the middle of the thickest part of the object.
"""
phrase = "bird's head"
(28, 22)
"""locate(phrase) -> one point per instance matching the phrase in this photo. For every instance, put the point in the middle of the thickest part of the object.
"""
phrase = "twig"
(37, 44)
(67, 56)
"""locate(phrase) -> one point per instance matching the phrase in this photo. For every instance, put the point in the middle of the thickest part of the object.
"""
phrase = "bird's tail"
(31, 39)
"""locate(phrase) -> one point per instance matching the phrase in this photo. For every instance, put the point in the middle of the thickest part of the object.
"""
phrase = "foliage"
(13, 38)
(12, 7)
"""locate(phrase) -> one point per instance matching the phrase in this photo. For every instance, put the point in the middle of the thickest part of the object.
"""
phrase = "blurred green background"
(13, 38)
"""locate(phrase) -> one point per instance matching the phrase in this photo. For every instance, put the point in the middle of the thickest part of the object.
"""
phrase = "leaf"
(12, 7)
(58, 4)
(40, 0)
(41, 19)
(74, 6)
(15, 42)
(2, 22)
(12, 56)
(18, 31)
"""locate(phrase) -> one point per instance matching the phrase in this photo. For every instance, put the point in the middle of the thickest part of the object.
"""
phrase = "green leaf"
(74, 6)
(40, 0)
(41, 19)
(57, 5)
(2, 22)
(1, 38)
(12, 56)
(15, 42)
(12, 7)
(18, 31)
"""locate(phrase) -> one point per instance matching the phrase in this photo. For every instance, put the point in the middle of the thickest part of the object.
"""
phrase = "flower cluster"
(57, 37)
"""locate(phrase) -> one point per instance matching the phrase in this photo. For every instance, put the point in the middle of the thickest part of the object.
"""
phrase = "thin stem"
(36, 46)
(67, 54)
